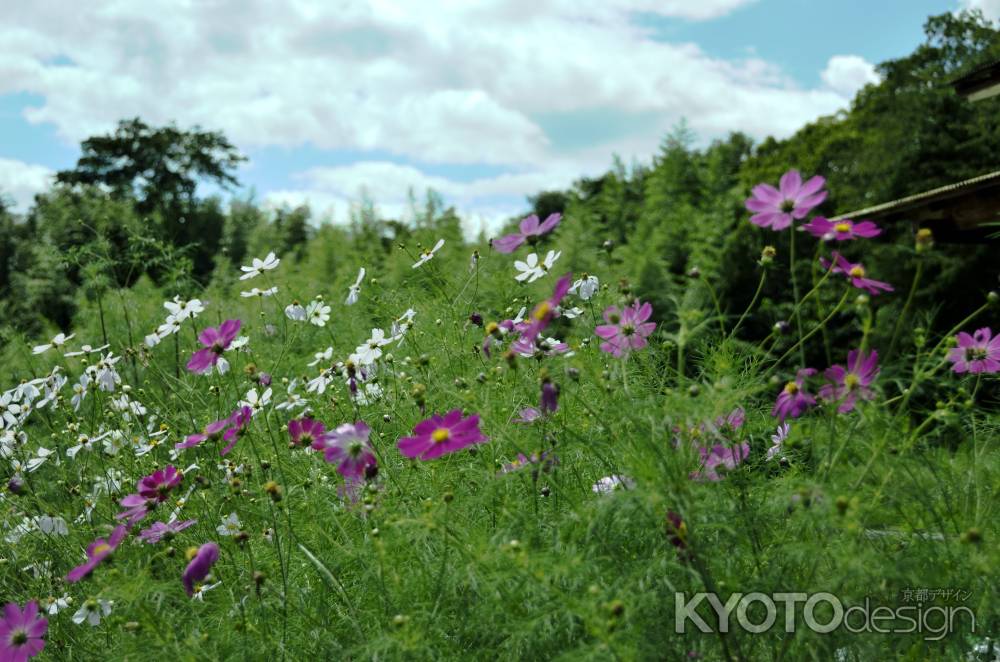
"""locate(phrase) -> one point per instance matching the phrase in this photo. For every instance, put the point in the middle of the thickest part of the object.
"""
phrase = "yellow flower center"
(857, 271)
(791, 388)
(102, 548)
(541, 310)
(440, 435)
(852, 381)
(842, 227)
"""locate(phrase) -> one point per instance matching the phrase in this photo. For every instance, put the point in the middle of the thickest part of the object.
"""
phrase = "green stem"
(906, 308)
(753, 302)
(795, 292)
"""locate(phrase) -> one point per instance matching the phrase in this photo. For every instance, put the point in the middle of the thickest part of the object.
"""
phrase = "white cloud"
(450, 82)
(990, 8)
(846, 74)
(20, 181)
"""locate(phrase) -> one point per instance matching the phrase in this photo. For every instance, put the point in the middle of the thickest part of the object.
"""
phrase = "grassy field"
(653, 463)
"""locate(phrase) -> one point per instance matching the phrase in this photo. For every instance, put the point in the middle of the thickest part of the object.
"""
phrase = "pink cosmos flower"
(200, 566)
(97, 551)
(347, 446)
(21, 632)
(528, 415)
(793, 399)
(841, 230)
(158, 484)
(851, 383)
(978, 353)
(856, 274)
(541, 316)
(239, 425)
(439, 435)
(305, 431)
(164, 531)
(718, 456)
(776, 207)
(211, 431)
(530, 230)
(215, 341)
(625, 329)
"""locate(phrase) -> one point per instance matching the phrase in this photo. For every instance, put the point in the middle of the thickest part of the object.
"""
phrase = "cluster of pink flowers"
(844, 386)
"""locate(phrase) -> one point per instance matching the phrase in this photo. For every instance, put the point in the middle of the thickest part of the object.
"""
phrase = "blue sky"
(485, 102)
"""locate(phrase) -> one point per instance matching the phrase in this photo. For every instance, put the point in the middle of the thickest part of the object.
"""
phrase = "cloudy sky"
(484, 101)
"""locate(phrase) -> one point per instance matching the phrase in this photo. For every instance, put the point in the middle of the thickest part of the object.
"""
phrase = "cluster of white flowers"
(178, 311)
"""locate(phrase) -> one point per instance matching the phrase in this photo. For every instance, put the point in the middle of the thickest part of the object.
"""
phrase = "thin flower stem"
(906, 308)
(815, 330)
(795, 291)
(753, 302)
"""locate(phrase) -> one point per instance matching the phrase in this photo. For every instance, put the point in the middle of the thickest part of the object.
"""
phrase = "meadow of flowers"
(481, 451)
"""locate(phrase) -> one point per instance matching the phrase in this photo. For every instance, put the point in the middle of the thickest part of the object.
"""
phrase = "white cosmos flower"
(325, 355)
(92, 611)
(80, 390)
(58, 341)
(257, 292)
(256, 401)
(609, 484)
(85, 443)
(181, 310)
(425, 256)
(86, 349)
(318, 313)
(152, 340)
(371, 392)
(319, 383)
(550, 260)
(354, 290)
(230, 525)
(54, 605)
(295, 312)
(402, 324)
(201, 589)
(369, 352)
(571, 313)
(585, 287)
(292, 399)
(10, 411)
(528, 268)
(260, 266)
(115, 442)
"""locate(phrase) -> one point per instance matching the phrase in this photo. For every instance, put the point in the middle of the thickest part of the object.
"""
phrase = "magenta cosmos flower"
(210, 431)
(856, 274)
(719, 456)
(97, 551)
(976, 353)
(775, 208)
(241, 417)
(215, 341)
(793, 399)
(200, 566)
(158, 484)
(161, 531)
(439, 435)
(541, 316)
(849, 384)
(530, 230)
(21, 632)
(626, 329)
(347, 447)
(841, 230)
(305, 431)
